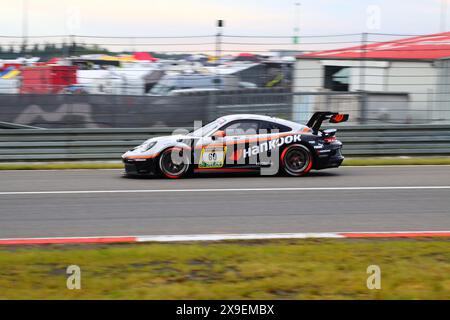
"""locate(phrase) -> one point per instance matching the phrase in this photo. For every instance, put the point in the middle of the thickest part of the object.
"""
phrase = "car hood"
(160, 143)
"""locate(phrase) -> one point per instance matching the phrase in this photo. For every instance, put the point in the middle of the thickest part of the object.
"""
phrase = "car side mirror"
(218, 134)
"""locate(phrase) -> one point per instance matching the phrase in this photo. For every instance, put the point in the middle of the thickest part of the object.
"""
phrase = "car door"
(228, 151)
(240, 137)
(270, 131)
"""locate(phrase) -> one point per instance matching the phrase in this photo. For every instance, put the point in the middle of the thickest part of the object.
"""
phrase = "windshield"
(161, 89)
(205, 130)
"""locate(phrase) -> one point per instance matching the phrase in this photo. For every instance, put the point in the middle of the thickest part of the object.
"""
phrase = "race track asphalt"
(341, 201)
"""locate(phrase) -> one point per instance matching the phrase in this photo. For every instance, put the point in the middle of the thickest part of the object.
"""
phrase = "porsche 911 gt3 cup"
(241, 143)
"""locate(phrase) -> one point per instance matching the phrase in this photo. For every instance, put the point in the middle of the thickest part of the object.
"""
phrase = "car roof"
(233, 117)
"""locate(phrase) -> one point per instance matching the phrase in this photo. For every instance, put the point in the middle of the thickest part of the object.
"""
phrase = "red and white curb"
(221, 237)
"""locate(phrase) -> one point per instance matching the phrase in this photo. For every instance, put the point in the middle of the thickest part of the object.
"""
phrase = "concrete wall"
(308, 75)
(124, 111)
(419, 80)
(441, 107)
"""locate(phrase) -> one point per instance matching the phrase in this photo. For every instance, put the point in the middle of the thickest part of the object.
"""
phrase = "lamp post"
(220, 24)
(296, 38)
(24, 24)
(443, 21)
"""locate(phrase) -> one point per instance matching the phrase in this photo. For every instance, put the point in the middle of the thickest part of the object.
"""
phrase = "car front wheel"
(174, 163)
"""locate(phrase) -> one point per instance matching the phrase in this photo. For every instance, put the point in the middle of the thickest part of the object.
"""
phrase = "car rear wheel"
(174, 163)
(296, 160)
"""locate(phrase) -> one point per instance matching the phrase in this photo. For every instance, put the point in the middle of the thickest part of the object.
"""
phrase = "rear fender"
(307, 145)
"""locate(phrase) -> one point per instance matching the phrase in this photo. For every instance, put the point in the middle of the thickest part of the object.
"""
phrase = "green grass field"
(279, 269)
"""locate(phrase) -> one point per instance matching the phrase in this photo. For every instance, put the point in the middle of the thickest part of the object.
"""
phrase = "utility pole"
(362, 78)
(212, 103)
(296, 38)
(220, 25)
(72, 46)
(443, 21)
(24, 24)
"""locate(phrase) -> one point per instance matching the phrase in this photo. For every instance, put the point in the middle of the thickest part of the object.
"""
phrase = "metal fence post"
(362, 80)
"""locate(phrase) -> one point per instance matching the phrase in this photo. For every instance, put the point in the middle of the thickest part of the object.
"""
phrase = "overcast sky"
(242, 17)
(160, 17)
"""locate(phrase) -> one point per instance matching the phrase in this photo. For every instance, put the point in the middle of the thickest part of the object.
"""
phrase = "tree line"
(48, 50)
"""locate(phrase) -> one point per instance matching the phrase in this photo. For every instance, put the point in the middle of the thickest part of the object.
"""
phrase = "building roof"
(427, 47)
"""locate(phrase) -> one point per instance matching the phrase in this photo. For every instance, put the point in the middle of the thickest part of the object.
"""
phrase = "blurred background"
(82, 64)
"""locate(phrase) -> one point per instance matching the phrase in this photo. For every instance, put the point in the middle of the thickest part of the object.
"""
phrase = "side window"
(272, 127)
(240, 128)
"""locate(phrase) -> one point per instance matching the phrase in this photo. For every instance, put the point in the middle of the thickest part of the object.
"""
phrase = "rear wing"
(318, 117)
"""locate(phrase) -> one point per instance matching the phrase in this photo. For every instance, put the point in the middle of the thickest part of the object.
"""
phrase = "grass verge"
(278, 269)
(118, 165)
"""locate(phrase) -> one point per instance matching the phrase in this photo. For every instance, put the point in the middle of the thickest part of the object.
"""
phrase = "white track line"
(264, 236)
(224, 190)
(221, 237)
(249, 236)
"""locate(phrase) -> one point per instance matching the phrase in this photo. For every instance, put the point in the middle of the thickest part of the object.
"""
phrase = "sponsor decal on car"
(270, 145)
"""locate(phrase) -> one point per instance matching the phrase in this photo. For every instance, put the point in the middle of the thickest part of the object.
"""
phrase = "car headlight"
(149, 146)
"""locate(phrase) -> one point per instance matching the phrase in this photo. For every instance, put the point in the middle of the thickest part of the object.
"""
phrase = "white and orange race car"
(241, 143)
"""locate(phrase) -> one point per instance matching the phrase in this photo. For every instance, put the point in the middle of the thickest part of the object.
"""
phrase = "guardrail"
(109, 144)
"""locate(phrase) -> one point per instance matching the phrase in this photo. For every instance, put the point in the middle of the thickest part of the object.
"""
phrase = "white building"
(406, 80)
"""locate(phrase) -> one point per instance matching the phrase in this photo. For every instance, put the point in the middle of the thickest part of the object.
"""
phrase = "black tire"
(174, 163)
(296, 160)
